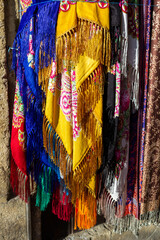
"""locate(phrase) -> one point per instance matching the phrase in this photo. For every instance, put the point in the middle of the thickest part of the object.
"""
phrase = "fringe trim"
(124, 54)
(106, 206)
(85, 211)
(88, 39)
(130, 223)
(150, 218)
(44, 176)
(88, 166)
(19, 182)
(89, 93)
(43, 78)
(42, 199)
(56, 150)
(63, 210)
(133, 74)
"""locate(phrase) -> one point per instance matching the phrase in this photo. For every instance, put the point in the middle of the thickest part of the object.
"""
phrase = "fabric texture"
(150, 184)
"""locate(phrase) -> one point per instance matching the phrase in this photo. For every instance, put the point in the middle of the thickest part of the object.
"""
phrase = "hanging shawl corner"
(19, 182)
(85, 211)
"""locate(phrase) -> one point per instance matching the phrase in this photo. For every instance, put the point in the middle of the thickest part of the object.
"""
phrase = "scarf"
(111, 104)
(32, 41)
(72, 125)
(117, 190)
(132, 178)
(150, 184)
(144, 74)
(133, 52)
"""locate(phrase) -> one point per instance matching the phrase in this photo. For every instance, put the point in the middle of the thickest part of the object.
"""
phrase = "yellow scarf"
(72, 128)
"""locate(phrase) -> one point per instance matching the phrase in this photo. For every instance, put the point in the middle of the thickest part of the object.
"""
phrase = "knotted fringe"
(43, 78)
(57, 151)
(85, 211)
(61, 208)
(124, 54)
(88, 166)
(91, 160)
(89, 93)
(87, 38)
(133, 74)
(130, 223)
(90, 163)
(106, 206)
(19, 182)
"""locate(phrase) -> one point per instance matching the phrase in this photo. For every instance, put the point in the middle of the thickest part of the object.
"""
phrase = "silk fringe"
(124, 54)
(88, 39)
(87, 168)
(19, 182)
(133, 75)
(89, 93)
(57, 151)
(62, 208)
(43, 78)
(85, 211)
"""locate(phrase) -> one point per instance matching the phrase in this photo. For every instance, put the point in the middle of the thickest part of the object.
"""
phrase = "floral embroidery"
(124, 6)
(25, 4)
(52, 79)
(66, 83)
(68, 100)
(22, 138)
(18, 113)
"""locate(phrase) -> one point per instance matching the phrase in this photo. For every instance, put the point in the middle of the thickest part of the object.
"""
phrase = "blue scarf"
(34, 49)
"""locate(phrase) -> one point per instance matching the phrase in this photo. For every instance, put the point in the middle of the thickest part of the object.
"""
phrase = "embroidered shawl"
(72, 126)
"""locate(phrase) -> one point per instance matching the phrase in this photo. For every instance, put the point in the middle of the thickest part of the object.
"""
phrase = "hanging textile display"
(85, 126)
(150, 184)
(111, 105)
